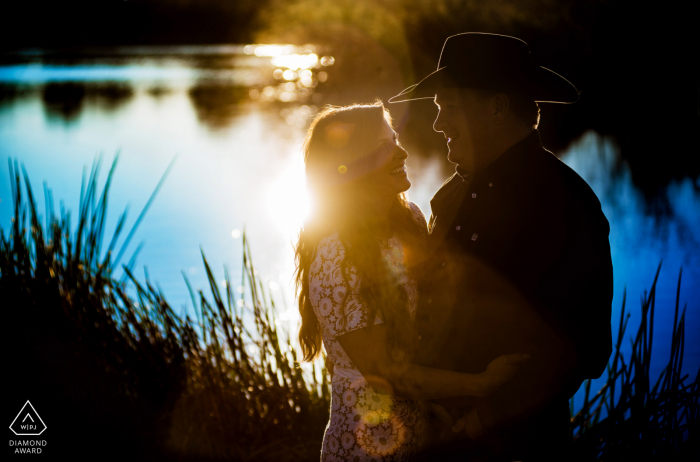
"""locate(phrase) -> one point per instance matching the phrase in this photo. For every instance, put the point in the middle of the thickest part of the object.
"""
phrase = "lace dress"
(363, 426)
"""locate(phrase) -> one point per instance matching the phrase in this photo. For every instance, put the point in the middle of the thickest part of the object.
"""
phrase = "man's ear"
(500, 105)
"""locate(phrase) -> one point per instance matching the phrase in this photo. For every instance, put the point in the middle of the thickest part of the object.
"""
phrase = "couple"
(462, 338)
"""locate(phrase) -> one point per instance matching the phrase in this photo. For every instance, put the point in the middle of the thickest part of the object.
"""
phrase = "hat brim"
(547, 87)
(551, 87)
(425, 89)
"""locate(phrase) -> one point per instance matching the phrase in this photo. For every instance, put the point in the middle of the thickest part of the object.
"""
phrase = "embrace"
(461, 337)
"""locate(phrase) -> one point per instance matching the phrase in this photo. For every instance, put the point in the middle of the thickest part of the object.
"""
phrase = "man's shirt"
(519, 262)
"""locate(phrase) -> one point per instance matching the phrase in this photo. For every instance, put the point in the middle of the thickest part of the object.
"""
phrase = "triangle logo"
(28, 422)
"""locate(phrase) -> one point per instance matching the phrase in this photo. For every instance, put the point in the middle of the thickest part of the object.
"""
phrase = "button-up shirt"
(519, 262)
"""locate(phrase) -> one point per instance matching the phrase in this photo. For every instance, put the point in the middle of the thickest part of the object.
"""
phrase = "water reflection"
(158, 90)
(298, 73)
(65, 101)
(216, 105)
(12, 92)
(217, 78)
(110, 96)
(640, 240)
(597, 159)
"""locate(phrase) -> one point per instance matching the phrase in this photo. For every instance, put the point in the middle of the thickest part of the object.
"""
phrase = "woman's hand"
(502, 370)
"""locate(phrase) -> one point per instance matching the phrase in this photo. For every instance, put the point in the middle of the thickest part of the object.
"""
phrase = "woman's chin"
(404, 186)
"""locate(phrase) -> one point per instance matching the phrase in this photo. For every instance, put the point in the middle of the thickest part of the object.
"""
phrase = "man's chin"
(455, 157)
(461, 159)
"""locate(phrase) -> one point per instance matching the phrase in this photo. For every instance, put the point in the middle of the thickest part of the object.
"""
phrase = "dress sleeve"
(418, 216)
(334, 290)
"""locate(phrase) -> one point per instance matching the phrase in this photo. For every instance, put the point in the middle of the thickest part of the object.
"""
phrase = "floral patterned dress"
(364, 425)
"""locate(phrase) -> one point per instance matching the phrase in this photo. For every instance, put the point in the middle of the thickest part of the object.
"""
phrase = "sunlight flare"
(288, 200)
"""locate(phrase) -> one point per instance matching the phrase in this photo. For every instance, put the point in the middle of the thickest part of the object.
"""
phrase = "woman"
(357, 259)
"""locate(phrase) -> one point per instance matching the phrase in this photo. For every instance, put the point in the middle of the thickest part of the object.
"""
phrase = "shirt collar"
(527, 144)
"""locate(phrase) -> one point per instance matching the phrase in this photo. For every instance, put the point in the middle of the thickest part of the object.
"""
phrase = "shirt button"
(430, 300)
(458, 228)
(490, 185)
(420, 337)
(473, 195)
(474, 236)
(442, 264)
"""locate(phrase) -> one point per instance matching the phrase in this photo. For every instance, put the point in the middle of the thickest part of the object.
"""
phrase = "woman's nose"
(400, 153)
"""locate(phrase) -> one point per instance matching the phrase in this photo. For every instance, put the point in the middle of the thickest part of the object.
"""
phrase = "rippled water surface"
(234, 118)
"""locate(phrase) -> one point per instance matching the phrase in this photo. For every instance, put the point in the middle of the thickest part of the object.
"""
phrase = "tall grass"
(110, 357)
(111, 353)
(643, 417)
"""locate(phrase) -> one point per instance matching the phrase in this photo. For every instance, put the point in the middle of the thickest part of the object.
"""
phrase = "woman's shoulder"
(327, 265)
(330, 246)
(418, 215)
(329, 255)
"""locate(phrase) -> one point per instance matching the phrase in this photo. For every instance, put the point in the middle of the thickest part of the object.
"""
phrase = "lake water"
(233, 117)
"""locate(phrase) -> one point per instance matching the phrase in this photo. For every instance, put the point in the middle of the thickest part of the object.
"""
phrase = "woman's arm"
(368, 352)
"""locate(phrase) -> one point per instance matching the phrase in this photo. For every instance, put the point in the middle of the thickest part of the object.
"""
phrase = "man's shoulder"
(562, 188)
(562, 181)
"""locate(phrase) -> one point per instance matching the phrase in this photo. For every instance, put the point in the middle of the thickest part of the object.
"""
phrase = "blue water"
(638, 243)
(238, 167)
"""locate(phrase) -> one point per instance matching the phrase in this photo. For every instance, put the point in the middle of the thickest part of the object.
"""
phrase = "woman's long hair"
(335, 140)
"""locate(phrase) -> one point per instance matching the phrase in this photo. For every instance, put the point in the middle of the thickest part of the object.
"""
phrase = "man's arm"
(574, 340)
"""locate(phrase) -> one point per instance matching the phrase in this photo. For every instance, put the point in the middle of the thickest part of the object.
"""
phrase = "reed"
(633, 417)
(156, 385)
(112, 352)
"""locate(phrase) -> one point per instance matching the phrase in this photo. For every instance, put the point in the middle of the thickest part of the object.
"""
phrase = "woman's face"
(388, 175)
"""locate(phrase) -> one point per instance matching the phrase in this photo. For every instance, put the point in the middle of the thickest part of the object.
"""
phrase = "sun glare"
(288, 200)
(296, 61)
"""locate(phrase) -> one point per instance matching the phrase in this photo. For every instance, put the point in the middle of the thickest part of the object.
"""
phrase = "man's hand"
(441, 413)
(471, 424)
(502, 370)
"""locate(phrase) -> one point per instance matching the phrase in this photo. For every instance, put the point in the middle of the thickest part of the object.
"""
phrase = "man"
(519, 259)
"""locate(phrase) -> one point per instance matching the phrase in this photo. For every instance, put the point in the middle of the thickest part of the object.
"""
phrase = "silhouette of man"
(518, 255)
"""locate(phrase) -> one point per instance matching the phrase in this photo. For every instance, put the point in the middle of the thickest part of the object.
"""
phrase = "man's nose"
(439, 124)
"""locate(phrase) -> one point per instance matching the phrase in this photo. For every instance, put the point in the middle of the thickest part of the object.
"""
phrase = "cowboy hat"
(491, 61)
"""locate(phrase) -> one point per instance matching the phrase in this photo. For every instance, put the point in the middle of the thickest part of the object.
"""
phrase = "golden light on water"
(298, 67)
(296, 61)
(269, 50)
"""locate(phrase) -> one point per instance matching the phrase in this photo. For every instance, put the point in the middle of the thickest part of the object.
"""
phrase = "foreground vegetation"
(111, 358)
(108, 360)
(642, 418)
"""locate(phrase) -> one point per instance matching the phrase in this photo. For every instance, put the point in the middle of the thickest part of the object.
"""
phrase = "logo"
(28, 422)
